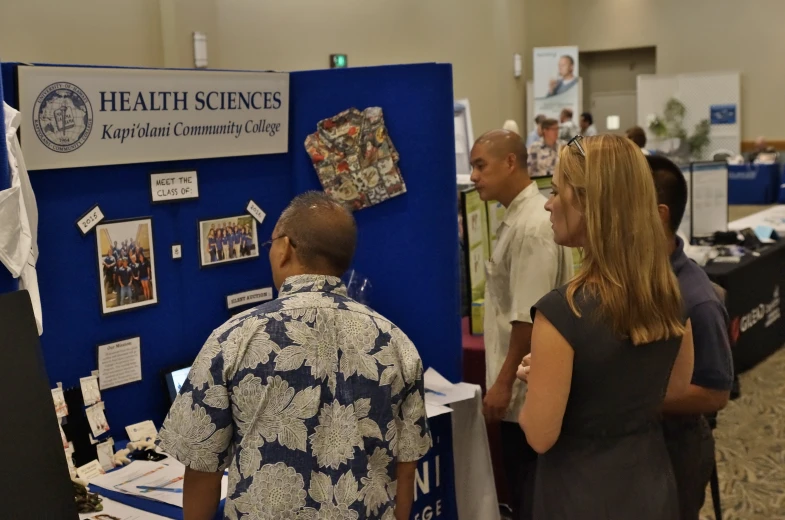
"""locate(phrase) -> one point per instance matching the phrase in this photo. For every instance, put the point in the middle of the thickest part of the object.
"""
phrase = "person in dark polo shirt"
(687, 433)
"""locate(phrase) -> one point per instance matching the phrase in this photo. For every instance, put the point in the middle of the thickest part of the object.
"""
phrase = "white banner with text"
(95, 116)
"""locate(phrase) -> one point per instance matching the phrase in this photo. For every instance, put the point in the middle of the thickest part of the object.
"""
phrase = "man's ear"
(286, 253)
(511, 161)
(665, 215)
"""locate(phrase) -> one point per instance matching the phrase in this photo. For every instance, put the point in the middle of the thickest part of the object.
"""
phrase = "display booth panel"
(407, 245)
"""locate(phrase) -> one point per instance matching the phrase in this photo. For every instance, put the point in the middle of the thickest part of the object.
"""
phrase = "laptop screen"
(175, 380)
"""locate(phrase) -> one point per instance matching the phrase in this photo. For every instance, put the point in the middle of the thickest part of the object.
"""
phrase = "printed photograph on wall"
(226, 240)
(126, 264)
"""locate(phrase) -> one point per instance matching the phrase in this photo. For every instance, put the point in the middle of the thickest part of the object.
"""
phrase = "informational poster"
(464, 140)
(477, 240)
(556, 81)
(119, 363)
(98, 116)
(496, 213)
(709, 196)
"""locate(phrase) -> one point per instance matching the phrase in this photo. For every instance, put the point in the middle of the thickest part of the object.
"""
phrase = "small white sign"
(91, 219)
(90, 392)
(141, 431)
(119, 363)
(249, 297)
(177, 251)
(105, 452)
(90, 470)
(174, 186)
(255, 211)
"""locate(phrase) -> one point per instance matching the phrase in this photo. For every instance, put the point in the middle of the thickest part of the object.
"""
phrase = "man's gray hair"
(322, 230)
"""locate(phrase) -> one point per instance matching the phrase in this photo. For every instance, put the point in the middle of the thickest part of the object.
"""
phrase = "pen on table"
(154, 488)
(435, 392)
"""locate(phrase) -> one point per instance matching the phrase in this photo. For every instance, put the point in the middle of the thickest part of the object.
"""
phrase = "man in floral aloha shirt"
(314, 402)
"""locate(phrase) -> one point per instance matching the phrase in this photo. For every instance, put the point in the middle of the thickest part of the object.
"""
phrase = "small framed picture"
(229, 239)
(126, 265)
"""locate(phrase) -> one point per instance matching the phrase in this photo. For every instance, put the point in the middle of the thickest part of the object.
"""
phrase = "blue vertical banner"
(434, 484)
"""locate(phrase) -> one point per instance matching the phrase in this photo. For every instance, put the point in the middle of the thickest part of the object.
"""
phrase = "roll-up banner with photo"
(556, 82)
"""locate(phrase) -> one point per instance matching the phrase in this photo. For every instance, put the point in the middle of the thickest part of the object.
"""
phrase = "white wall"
(478, 38)
(90, 32)
(699, 36)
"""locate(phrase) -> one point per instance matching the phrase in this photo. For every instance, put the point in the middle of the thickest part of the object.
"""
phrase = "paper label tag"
(90, 470)
(141, 431)
(91, 219)
(59, 400)
(255, 211)
(174, 186)
(105, 452)
(249, 297)
(90, 392)
(97, 419)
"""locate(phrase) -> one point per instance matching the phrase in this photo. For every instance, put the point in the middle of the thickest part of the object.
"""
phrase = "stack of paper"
(159, 481)
(439, 393)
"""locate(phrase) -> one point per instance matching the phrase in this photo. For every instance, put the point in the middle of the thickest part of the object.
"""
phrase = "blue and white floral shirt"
(309, 401)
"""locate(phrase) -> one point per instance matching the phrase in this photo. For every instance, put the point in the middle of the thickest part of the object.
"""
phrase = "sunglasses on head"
(577, 142)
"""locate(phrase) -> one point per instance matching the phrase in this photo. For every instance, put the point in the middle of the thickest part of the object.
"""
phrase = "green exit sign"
(338, 61)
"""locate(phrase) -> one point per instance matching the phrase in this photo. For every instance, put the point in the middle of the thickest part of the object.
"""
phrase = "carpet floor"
(750, 447)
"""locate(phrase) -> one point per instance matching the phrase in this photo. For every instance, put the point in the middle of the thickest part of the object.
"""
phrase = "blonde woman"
(607, 347)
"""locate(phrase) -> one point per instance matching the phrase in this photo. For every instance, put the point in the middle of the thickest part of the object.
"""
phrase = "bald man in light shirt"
(526, 264)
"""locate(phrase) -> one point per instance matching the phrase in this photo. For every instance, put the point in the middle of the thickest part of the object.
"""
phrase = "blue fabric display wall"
(407, 245)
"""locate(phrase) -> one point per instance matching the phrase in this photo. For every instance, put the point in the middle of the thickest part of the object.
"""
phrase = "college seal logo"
(62, 117)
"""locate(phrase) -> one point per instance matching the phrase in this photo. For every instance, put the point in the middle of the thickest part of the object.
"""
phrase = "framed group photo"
(226, 240)
(126, 264)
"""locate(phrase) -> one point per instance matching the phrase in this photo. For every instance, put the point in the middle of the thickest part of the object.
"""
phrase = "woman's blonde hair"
(625, 264)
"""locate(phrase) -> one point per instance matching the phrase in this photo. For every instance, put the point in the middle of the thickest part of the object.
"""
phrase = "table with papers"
(152, 487)
(455, 479)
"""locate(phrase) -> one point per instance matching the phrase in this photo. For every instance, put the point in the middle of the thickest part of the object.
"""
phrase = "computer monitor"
(175, 381)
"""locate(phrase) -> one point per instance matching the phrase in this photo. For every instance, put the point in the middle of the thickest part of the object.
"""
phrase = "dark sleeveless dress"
(610, 462)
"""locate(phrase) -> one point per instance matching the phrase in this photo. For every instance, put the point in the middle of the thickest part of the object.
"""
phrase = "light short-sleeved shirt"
(309, 401)
(591, 131)
(525, 266)
(543, 159)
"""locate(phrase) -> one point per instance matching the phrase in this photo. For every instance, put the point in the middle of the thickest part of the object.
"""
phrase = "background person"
(145, 274)
(567, 127)
(543, 156)
(211, 247)
(687, 433)
(327, 399)
(637, 135)
(125, 275)
(536, 134)
(109, 267)
(607, 346)
(526, 264)
(586, 123)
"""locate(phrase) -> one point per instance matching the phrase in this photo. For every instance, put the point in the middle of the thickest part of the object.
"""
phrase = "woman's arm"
(549, 385)
(681, 373)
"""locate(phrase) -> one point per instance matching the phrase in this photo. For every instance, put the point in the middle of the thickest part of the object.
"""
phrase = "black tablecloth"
(754, 305)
